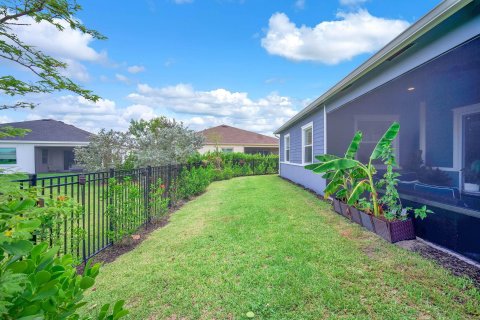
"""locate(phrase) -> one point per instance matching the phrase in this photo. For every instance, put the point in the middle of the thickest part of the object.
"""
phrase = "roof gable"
(48, 130)
(224, 134)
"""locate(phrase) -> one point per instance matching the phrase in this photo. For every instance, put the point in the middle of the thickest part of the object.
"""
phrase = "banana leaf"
(358, 190)
(385, 141)
(353, 147)
(336, 164)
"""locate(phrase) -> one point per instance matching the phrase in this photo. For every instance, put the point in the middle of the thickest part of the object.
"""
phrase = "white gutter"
(46, 143)
(433, 18)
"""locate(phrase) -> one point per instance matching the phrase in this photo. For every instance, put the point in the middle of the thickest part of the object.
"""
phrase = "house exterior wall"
(25, 158)
(459, 28)
(293, 170)
(434, 96)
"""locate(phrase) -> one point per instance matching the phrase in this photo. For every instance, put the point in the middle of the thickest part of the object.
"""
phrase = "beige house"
(230, 139)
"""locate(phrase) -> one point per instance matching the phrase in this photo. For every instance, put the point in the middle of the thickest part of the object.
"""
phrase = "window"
(307, 143)
(227, 150)
(286, 141)
(8, 156)
(44, 156)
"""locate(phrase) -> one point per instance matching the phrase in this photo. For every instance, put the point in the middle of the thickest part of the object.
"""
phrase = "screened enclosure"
(438, 149)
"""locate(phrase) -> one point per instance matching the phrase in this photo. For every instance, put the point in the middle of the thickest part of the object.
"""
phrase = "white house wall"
(25, 158)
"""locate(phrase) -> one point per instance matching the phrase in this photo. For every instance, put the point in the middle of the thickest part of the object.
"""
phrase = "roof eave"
(438, 14)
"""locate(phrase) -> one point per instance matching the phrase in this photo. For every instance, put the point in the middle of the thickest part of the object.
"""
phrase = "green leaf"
(336, 164)
(385, 141)
(312, 166)
(29, 225)
(357, 191)
(86, 282)
(38, 249)
(42, 277)
(24, 204)
(353, 147)
(18, 266)
(250, 314)
(18, 248)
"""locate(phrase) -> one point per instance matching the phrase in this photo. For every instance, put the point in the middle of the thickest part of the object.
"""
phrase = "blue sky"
(247, 63)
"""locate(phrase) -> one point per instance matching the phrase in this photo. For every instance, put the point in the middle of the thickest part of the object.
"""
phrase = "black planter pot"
(345, 210)
(336, 206)
(367, 222)
(355, 215)
(394, 231)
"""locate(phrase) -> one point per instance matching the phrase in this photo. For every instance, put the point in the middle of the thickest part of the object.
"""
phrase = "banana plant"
(348, 170)
(341, 180)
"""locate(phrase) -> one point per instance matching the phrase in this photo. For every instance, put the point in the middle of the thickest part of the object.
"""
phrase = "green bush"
(35, 282)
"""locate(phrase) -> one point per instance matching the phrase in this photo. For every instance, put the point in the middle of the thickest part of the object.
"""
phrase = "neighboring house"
(428, 79)
(229, 139)
(48, 147)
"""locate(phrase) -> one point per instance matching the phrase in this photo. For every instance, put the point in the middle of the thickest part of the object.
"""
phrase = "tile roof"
(49, 130)
(224, 134)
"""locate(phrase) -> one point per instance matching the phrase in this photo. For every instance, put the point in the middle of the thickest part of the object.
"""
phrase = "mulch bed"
(111, 253)
(455, 265)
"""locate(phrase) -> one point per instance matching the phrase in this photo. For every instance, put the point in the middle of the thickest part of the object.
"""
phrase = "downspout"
(279, 153)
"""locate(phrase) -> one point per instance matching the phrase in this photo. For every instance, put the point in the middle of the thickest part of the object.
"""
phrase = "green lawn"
(263, 245)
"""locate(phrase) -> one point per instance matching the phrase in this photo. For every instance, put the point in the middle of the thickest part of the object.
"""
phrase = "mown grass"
(263, 245)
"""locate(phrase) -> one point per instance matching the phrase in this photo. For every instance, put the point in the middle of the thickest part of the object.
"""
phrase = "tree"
(48, 70)
(107, 149)
(161, 141)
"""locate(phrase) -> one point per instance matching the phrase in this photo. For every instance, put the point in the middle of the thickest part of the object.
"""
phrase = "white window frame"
(305, 128)
(285, 137)
(228, 150)
(458, 152)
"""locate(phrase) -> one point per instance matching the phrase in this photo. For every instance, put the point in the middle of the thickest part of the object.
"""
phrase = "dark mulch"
(111, 253)
(450, 262)
(456, 265)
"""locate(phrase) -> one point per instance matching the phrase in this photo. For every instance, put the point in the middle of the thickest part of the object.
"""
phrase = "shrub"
(36, 283)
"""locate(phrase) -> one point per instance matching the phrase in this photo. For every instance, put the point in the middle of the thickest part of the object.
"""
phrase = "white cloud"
(300, 4)
(76, 70)
(136, 69)
(330, 42)
(5, 119)
(202, 109)
(122, 78)
(182, 1)
(352, 3)
(198, 109)
(69, 46)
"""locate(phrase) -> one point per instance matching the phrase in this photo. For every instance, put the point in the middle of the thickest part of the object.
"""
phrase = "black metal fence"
(104, 207)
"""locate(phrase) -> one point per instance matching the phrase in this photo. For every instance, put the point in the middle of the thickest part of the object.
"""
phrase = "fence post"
(169, 183)
(111, 174)
(148, 179)
(81, 182)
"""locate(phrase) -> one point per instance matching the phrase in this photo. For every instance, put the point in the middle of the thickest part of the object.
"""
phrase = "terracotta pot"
(394, 231)
(355, 214)
(367, 222)
(336, 206)
(345, 210)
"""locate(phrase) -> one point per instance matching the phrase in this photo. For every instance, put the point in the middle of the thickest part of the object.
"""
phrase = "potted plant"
(388, 218)
(340, 180)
